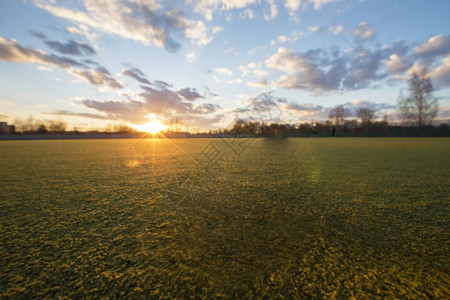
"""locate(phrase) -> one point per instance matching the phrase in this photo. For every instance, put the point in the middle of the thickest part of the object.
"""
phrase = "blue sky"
(206, 62)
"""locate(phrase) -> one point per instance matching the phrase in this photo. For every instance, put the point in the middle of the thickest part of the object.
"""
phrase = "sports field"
(225, 218)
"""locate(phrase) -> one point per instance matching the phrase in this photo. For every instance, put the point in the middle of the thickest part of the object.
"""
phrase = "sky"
(206, 62)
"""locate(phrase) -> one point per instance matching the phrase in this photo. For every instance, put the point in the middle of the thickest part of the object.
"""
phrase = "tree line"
(417, 111)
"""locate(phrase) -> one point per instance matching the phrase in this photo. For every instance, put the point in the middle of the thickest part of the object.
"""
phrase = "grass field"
(212, 218)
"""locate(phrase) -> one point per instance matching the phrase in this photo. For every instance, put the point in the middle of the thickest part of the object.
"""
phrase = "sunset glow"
(198, 65)
(152, 127)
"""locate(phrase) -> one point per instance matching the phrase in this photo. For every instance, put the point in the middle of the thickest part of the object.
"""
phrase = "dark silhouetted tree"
(338, 115)
(57, 126)
(42, 129)
(366, 115)
(420, 107)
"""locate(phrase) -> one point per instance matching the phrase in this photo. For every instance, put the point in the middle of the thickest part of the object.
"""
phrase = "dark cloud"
(201, 121)
(71, 48)
(364, 69)
(207, 108)
(375, 106)
(90, 62)
(130, 111)
(98, 76)
(303, 107)
(318, 112)
(163, 100)
(208, 92)
(38, 34)
(158, 99)
(190, 94)
(159, 84)
(167, 23)
(12, 51)
(320, 71)
(136, 74)
(262, 108)
(312, 70)
(83, 115)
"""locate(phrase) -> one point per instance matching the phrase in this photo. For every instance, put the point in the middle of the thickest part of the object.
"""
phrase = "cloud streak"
(12, 51)
(71, 48)
(147, 22)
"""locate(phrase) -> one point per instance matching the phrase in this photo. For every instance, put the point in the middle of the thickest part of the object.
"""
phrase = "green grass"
(293, 218)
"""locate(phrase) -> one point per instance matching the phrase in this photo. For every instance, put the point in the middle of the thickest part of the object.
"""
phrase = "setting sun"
(152, 127)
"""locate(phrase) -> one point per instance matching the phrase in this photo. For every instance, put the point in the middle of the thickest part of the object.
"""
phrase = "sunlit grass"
(293, 218)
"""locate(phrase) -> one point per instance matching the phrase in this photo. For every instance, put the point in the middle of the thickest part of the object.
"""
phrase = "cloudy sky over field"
(93, 62)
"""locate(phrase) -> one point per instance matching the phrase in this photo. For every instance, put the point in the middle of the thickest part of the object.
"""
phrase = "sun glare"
(152, 127)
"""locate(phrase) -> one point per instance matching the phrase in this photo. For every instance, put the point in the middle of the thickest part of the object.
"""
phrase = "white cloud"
(259, 73)
(292, 6)
(196, 32)
(224, 71)
(258, 84)
(227, 81)
(230, 50)
(284, 60)
(336, 29)
(83, 30)
(319, 3)
(417, 68)
(435, 46)
(273, 11)
(208, 7)
(146, 22)
(247, 69)
(363, 31)
(441, 74)
(217, 29)
(321, 72)
(314, 28)
(45, 68)
(253, 50)
(397, 64)
(247, 14)
(191, 56)
(292, 38)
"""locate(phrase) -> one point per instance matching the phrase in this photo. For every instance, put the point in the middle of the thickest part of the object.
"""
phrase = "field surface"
(225, 218)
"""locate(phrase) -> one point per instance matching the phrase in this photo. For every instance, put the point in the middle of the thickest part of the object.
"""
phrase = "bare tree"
(42, 129)
(123, 128)
(57, 126)
(385, 124)
(338, 115)
(420, 107)
(366, 115)
(29, 125)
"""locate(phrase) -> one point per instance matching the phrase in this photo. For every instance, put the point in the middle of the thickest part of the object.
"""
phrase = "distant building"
(7, 129)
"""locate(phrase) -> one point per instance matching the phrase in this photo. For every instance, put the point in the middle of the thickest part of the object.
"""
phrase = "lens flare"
(152, 127)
